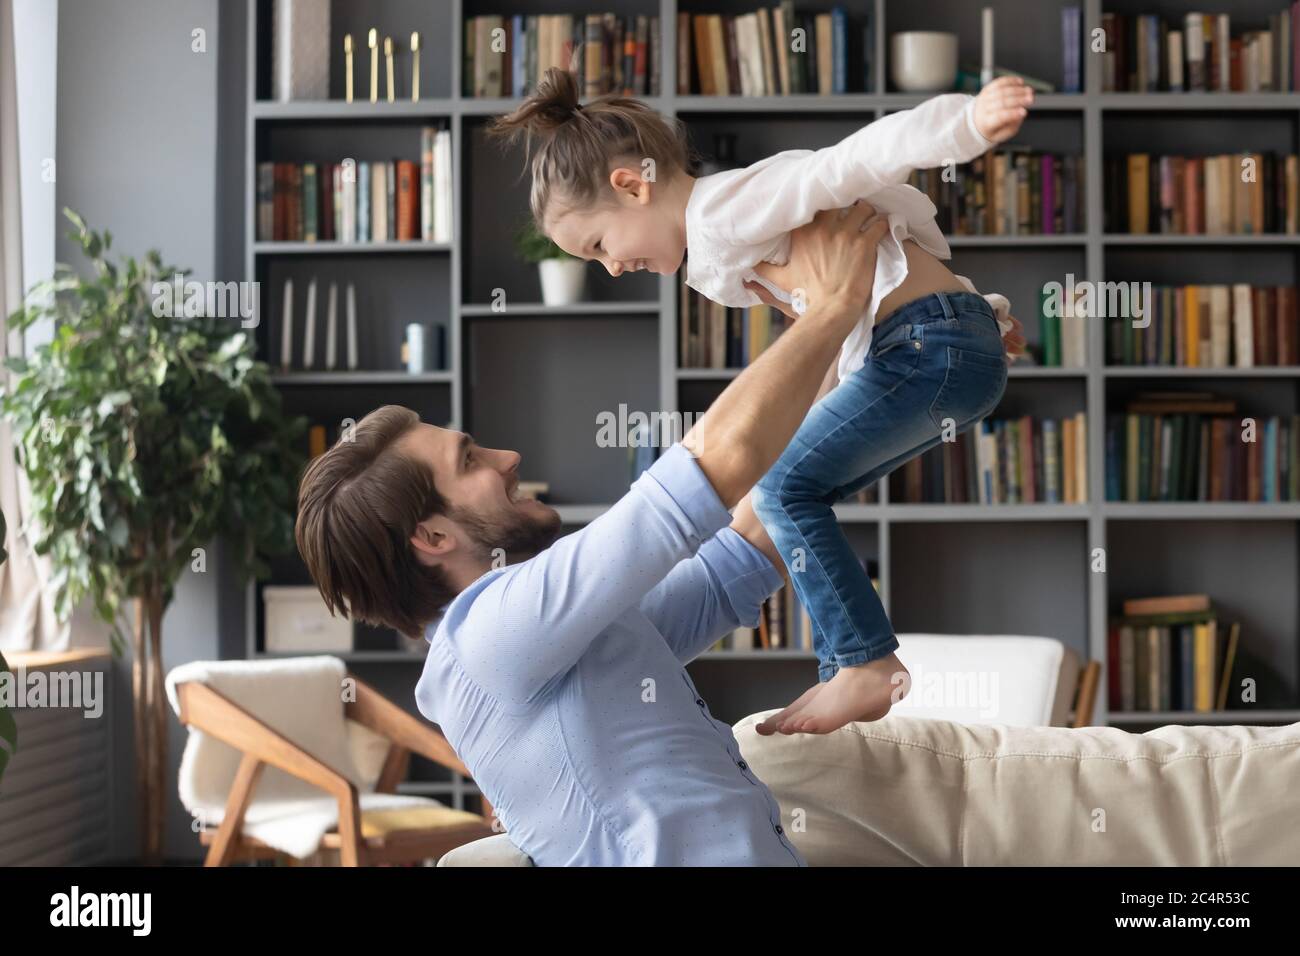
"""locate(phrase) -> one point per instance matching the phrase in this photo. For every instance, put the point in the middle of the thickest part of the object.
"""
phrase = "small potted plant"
(564, 277)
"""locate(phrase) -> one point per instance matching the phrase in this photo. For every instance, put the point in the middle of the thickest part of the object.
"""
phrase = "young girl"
(926, 361)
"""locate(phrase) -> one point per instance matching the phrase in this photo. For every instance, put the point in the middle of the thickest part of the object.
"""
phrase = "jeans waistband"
(936, 307)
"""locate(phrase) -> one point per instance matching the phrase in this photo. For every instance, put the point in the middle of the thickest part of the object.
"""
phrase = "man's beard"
(515, 535)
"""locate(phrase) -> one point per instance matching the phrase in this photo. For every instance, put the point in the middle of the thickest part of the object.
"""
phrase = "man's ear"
(630, 184)
(432, 540)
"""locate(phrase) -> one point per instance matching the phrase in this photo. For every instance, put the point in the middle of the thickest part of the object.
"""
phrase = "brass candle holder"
(415, 67)
(347, 60)
(388, 64)
(372, 41)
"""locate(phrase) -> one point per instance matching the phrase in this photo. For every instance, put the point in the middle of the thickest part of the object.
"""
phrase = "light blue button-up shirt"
(561, 683)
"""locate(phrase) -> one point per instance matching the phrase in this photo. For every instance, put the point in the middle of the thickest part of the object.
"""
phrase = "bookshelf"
(530, 377)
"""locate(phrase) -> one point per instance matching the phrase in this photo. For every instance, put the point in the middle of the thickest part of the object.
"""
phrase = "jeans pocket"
(902, 343)
(972, 387)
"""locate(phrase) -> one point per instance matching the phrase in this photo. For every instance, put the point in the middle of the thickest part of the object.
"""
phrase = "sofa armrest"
(496, 850)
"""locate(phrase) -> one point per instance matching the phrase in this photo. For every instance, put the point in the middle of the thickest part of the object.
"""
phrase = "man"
(559, 678)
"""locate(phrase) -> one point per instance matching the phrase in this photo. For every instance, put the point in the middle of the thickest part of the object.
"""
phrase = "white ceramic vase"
(563, 280)
(923, 61)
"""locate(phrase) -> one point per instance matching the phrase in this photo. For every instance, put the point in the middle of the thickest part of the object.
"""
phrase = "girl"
(926, 361)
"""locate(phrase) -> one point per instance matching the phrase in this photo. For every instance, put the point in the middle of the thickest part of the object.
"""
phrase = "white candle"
(986, 48)
(309, 336)
(352, 326)
(331, 326)
(286, 326)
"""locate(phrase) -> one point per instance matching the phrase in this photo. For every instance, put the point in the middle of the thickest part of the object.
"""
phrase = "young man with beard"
(559, 678)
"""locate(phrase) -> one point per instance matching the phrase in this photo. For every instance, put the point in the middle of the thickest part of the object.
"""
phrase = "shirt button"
(916, 345)
(779, 828)
(700, 701)
(742, 765)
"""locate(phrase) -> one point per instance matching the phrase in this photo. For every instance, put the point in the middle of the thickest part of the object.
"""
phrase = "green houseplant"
(145, 431)
(563, 277)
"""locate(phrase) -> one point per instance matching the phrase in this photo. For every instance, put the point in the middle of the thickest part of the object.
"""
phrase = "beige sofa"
(922, 788)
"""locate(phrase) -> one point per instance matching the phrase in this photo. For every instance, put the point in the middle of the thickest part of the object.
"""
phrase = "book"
(616, 53)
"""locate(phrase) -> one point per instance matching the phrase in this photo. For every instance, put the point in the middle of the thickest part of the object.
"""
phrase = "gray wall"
(139, 154)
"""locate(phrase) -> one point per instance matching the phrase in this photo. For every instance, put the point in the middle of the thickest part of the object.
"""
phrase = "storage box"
(297, 620)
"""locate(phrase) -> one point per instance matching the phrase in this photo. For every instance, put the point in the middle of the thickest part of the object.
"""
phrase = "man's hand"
(826, 271)
(1001, 107)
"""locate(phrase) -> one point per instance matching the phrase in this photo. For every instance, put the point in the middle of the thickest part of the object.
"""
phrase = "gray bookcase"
(532, 377)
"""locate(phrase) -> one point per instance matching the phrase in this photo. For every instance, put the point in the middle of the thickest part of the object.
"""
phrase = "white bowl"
(923, 61)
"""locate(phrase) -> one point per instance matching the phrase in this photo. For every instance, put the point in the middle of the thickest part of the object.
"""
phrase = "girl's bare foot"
(774, 723)
(863, 692)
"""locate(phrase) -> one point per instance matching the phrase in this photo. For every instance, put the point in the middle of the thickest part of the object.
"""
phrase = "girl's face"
(629, 233)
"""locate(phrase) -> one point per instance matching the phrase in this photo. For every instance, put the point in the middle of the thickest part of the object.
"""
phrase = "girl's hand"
(1001, 107)
(1014, 340)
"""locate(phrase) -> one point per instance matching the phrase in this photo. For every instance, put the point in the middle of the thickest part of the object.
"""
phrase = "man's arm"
(720, 589)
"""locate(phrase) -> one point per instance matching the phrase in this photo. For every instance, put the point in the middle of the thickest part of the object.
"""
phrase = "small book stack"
(1199, 53)
(615, 53)
(744, 54)
(1022, 460)
(356, 202)
(714, 336)
(1193, 446)
(1236, 193)
(1170, 653)
(1006, 193)
(1210, 326)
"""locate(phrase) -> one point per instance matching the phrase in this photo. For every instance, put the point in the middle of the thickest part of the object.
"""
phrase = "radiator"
(56, 796)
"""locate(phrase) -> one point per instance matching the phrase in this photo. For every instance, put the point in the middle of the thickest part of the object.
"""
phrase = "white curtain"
(27, 619)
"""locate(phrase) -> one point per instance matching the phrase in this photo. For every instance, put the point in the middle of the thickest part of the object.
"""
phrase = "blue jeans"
(936, 363)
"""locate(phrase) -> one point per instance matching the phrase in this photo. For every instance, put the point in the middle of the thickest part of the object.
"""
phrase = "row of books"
(1002, 461)
(1006, 193)
(760, 53)
(1146, 54)
(1236, 193)
(1209, 326)
(616, 53)
(1192, 446)
(1168, 654)
(715, 336)
(351, 201)
(783, 624)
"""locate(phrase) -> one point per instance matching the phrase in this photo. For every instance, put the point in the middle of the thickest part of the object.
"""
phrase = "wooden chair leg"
(351, 849)
(1087, 699)
(225, 846)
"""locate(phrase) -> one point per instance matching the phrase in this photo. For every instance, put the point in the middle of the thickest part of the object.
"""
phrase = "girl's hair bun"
(548, 109)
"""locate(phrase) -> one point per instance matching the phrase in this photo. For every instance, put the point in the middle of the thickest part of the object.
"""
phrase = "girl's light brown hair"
(576, 146)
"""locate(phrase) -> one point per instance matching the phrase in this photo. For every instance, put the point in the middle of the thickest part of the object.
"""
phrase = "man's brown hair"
(358, 505)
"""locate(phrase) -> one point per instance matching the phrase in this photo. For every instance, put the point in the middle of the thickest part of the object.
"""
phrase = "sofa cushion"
(913, 791)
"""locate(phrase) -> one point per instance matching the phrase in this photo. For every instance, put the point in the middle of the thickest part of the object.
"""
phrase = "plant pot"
(563, 280)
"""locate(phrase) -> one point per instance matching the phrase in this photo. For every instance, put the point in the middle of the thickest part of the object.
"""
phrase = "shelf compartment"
(1146, 558)
(390, 293)
(966, 577)
(538, 386)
